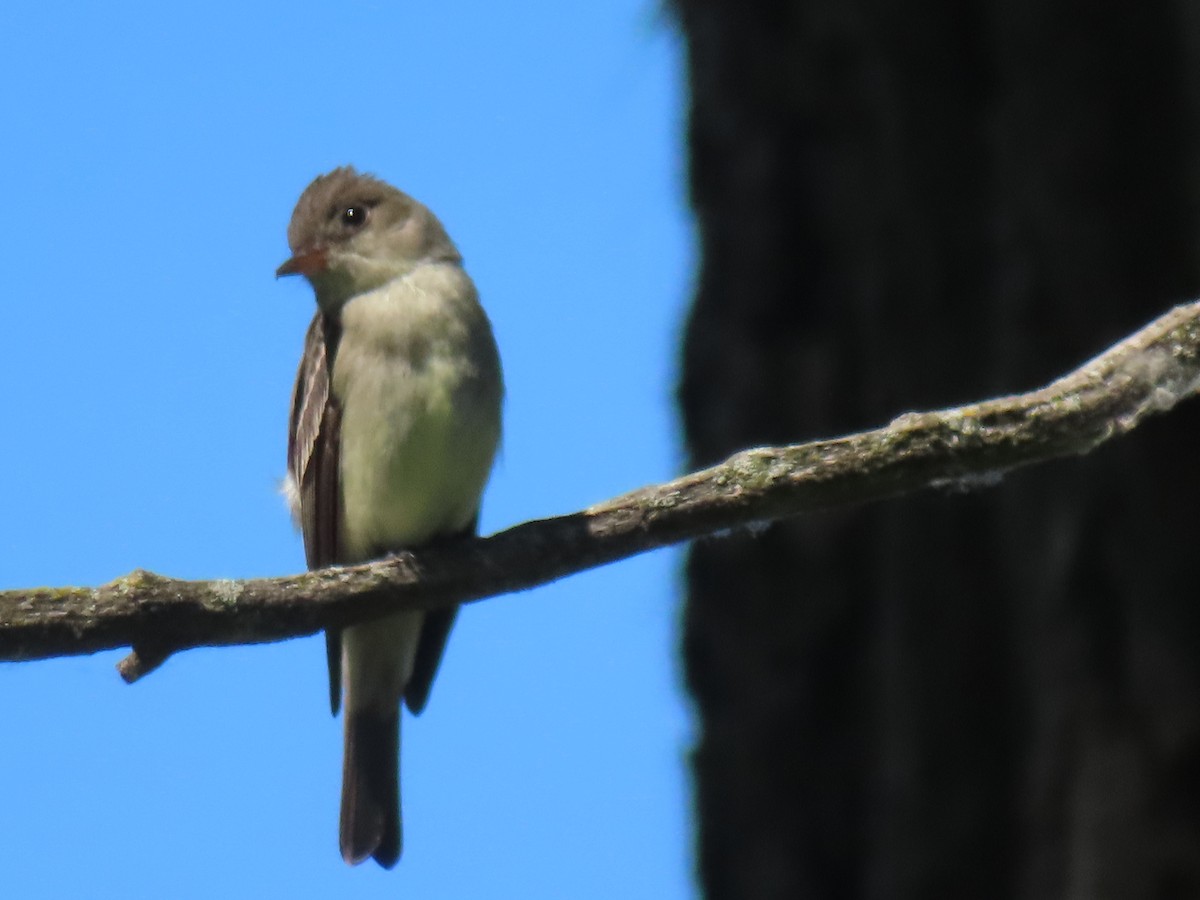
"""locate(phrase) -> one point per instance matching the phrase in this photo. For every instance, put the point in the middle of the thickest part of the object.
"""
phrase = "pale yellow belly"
(416, 450)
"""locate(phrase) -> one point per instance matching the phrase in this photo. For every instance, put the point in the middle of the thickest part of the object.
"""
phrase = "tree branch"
(968, 446)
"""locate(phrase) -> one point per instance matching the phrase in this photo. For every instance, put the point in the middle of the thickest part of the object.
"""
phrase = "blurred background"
(906, 206)
(153, 155)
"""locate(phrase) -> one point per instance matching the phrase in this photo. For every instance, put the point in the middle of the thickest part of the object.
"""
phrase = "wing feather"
(313, 441)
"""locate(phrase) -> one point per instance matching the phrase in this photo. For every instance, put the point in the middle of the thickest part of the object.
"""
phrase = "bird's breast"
(416, 376)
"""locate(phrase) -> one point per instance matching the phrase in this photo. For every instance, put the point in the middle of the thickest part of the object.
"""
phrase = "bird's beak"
(309, 262)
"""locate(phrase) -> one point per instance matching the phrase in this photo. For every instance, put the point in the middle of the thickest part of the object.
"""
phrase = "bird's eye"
(354, 216)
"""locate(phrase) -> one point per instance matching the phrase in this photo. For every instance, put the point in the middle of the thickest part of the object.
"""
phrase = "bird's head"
(352, 233)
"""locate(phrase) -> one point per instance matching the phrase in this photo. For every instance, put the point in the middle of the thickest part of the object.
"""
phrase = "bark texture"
(972, 446)
(902, 206)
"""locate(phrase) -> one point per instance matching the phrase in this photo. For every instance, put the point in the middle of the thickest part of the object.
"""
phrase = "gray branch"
(968, 446)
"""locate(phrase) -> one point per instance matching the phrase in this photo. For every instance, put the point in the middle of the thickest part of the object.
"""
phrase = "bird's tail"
(370, 818)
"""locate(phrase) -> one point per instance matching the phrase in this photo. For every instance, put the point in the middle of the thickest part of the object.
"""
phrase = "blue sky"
(153, 154)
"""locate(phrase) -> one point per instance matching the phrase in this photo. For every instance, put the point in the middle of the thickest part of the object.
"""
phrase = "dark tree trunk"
(904, 206)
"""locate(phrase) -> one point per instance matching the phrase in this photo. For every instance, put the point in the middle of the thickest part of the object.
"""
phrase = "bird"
(395, 424)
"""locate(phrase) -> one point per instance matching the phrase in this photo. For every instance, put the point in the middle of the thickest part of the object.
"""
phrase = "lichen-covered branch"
(971, 445)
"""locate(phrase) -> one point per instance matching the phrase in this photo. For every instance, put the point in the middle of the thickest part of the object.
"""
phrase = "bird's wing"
(313, 441)
(435, 631)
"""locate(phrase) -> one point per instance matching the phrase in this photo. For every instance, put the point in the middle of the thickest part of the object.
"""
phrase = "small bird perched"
(395, 423)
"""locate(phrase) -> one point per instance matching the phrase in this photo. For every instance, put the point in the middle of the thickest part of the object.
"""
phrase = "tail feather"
(370, 817)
